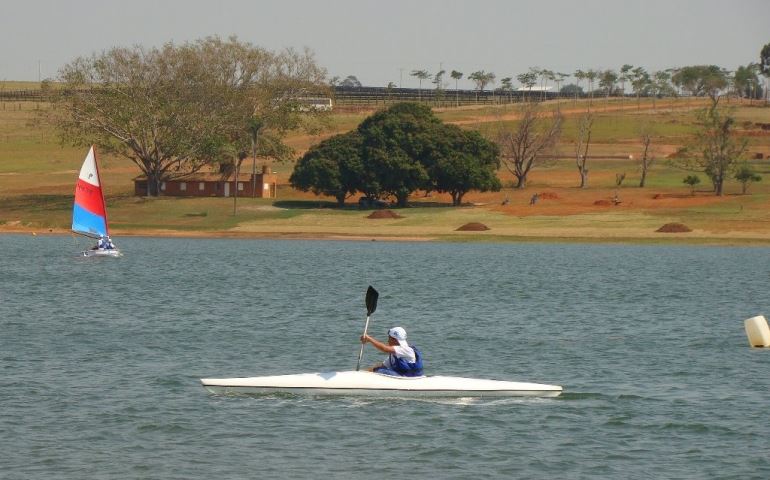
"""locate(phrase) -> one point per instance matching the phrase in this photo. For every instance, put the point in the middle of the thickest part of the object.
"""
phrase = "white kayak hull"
(354, 383)
(100, 252)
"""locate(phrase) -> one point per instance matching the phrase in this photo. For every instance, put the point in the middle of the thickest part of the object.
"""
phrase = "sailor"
(100, 244)
(108, 245)
(403, 360)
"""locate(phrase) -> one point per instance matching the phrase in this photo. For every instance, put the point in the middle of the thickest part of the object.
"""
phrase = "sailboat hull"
(102, 253)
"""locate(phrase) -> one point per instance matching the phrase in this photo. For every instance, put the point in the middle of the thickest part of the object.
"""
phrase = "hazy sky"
(383, 41)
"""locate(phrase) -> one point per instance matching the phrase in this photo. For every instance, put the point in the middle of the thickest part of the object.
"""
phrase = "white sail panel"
(88, 170)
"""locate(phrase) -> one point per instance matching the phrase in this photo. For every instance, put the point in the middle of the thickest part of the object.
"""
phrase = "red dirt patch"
(384, 214)
(549, 196)
(603, 203)
(674, 228)
(473, 227)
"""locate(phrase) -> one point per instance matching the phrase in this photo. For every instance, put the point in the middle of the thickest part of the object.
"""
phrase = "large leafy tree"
(394, 145)
(175, 109)
(397, 151)
(482, 79)
(701, 80)
(746, 82)
(459, 161)
(334, 168)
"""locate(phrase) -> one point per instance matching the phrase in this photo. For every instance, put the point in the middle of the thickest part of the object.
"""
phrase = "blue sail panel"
(87, 223)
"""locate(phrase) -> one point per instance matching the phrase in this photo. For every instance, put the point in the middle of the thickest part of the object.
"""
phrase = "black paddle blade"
(371, 300)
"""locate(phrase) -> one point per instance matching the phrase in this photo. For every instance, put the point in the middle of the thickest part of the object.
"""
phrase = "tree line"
(178, 108)
(694, 80)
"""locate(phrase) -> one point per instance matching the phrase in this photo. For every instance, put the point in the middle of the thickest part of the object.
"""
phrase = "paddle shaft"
(361, 353)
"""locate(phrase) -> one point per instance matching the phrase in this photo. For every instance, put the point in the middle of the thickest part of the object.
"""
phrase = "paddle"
(371, 306)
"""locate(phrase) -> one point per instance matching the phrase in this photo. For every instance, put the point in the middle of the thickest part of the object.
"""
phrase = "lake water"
(100, 359)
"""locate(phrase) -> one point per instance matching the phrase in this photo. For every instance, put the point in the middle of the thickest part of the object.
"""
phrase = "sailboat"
(89, 214)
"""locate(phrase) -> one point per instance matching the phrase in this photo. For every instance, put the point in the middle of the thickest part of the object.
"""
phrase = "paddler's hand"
(365, 338)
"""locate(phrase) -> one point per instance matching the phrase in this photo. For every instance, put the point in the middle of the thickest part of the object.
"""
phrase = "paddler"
(403, 360)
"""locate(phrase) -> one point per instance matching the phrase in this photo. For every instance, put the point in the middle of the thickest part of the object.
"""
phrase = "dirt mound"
(473, 227)
(603, 203)
(674, 228)
(384, 214)
(549, 196)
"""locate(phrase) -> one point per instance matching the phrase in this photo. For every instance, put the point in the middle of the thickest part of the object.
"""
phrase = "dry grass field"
(37, 177)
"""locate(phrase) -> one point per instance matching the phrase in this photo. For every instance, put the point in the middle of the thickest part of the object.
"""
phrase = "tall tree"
(716, 150)
(527, 80)
(579, 75)
(764, 66)
(438, 81)
(506, 86)
(175, 109)
(334, 168)
(394, 147)
(746, 175)
(582, 143)
(559, 80)
(591, 76)
(351, 81)
(746, 81)
(482, 79)
(525, 146)
(421, 75)
(607, 80)
(625, 75)
(459, 161)
(647, 158)
(640, 80)
(456, 76)
(660, 85)
(700, 80)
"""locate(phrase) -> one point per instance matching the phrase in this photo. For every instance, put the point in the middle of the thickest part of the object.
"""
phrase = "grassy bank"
(37, 177)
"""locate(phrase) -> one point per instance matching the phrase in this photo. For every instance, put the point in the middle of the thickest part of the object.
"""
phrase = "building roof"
(208, 177)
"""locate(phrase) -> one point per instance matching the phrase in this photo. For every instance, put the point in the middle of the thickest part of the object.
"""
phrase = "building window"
(183, 187)
(201, 186)
(163, 186)
(240, 186)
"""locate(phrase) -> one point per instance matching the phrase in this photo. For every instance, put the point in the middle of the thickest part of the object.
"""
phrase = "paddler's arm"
(378, 344)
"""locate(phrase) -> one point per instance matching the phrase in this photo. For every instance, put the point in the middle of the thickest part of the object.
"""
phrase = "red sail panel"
(89, 197)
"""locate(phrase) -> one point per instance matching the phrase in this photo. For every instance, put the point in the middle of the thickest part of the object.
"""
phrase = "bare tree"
(523, 148)
(582, 142)
(648, 157)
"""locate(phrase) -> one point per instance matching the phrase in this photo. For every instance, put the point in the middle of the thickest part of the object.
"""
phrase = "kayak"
(375, 384)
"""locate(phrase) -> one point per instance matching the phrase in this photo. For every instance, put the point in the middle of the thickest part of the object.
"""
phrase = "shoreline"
(471, 237)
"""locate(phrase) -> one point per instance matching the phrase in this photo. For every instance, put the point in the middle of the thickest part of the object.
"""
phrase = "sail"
(89, 217)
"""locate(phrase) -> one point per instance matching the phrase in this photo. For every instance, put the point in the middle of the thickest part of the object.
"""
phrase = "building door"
(227, 189)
